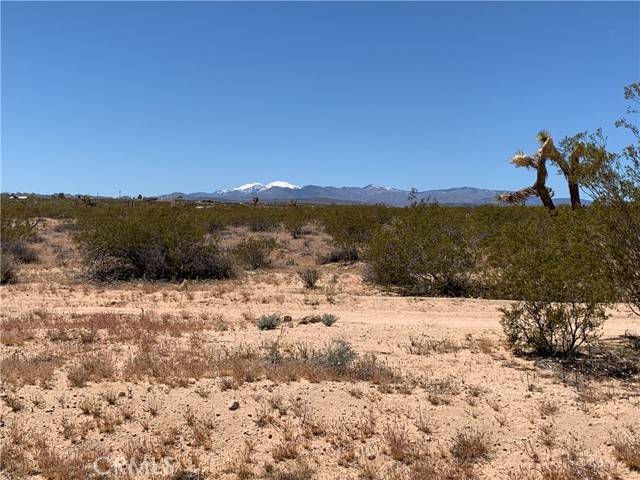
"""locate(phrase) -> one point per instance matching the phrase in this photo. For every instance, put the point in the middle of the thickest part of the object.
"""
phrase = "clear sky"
(159, 97)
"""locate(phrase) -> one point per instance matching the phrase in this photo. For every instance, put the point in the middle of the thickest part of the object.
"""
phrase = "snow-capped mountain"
(281, 191)
(259, 187)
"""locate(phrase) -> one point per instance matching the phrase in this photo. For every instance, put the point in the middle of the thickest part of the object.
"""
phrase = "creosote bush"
(545, 263)
(8, 269)
(269, 322)
(19, 250)
(150, 243)
(310, 277)
(254, 253)
(328, 319)
(351, 228)
(552, 329)
(428, 250)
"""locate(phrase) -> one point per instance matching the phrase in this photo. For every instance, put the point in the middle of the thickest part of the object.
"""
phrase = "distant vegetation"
(562, 265)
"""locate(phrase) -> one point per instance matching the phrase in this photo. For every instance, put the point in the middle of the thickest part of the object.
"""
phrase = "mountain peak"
(259, 187)
(247, 187)
(281, 184)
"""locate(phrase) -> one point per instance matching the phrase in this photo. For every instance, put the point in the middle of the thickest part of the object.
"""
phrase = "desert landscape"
(309, 240)
(178, 380)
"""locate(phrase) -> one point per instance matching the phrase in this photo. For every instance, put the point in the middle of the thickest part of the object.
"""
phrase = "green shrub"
(269, 322)
(19, 250)
(428, 250)
(151, 243)
(341, 255)
(552, 328)
(351, 228)
(328, 319)
(338, 355)
(545, 263)
(254, 253)
(310, 277)
(8, 269)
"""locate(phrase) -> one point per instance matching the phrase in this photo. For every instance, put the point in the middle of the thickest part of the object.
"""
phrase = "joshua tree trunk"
(540, 185)
(574, 165)
(574, 192)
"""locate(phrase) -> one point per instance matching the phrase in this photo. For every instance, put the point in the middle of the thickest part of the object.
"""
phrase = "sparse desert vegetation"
(239, 376)
(487, 342)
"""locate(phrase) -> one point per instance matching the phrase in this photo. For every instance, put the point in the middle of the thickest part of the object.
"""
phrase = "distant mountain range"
(280, 191)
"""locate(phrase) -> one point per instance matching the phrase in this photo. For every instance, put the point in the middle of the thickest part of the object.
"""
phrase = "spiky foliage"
(519, 197)
(520, 159)
(542, 136)
(537, 161)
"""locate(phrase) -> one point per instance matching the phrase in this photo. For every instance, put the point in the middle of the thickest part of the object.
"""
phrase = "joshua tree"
(567, 159)
(538, 161)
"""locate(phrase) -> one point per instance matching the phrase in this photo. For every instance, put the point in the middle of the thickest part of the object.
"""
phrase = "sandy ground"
(528, 416)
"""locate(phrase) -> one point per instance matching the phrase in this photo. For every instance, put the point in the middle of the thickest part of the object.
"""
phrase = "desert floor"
(105, 372)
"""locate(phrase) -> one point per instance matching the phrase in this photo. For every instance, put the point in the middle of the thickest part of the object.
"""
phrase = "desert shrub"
(614, 182)
(19, 250)
(269, 322)
(328, 319)
(340, 255)
(310, 277)
(254, 253)
(336, 356)
(552, 329)
(626, 449)
(294, 221)
(429, 250)
(151, 243)
(19, 223)
(545, 263)
(470, 446)
(351, 228)
(8, 269)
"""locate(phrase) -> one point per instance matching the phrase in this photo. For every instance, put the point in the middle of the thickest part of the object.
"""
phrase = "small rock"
(234, 405)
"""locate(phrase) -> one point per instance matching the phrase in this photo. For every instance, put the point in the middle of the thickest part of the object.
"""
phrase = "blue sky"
(159, 97)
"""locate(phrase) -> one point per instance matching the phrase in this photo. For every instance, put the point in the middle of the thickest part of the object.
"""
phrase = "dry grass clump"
(626, 449)
(426, 345)
(398, 443)
(85, 330)
(470, 446)
(440, 390)
(431, 467)
(174, 369)
(27, 451)
(548, 435)
(309, 277)
(299, 470)
(176, 365)
(424, 423)
(569, 466)
(92, 368)
(13, 402)
(20, 369)
(201, 431)
(15, 459)
(14, 334)
(548, 408)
